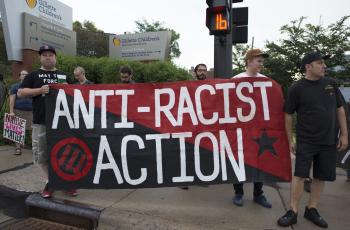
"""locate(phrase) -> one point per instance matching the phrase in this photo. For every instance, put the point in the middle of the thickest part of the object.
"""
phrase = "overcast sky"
(187, 17)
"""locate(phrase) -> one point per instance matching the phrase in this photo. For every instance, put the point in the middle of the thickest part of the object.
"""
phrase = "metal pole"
(223, 56)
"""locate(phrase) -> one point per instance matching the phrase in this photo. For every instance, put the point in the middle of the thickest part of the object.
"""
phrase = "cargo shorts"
(39, 147)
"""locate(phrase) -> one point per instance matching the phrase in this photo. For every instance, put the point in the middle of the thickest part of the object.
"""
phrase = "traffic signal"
(239, 25)
(218, 18)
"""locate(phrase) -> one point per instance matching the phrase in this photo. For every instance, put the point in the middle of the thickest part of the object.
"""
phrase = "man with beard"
(126, 75)
(200, 72)
(36, 85)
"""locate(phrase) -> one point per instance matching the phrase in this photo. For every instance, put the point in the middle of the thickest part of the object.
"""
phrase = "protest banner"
(14, 128)
(166, 134)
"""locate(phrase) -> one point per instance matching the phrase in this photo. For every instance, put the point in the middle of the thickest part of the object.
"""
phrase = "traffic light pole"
(223, 56)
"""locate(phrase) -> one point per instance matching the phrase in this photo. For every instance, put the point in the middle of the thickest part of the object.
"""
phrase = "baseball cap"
(252, 53)
(47, 48)
(311, 57)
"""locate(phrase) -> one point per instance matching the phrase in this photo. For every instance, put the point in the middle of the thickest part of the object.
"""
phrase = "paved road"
(173, 208)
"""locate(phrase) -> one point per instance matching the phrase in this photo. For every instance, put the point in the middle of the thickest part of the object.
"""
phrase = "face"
(23, 74)
(79, 75)
(256, 64)
(201, 73)
(48, 60)
(316, 69)
(125, 77)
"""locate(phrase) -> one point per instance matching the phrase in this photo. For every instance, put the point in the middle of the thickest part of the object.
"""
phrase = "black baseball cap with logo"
(47, 48)
(311, 57)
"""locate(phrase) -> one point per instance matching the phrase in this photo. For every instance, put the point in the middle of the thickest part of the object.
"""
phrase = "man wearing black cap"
(36, 85)
(319, 107)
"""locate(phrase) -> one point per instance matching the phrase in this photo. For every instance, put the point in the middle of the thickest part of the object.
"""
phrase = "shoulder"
(244, 74)
(16, 85)
(296, 85)
(262, 75)
(329, 80)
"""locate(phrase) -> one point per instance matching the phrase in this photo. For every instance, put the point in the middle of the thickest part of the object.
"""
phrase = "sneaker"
(262, 201)
(238, 200)
(46, 193)
(288, 219)
(312, 215)
(72, 192)
(307, 184)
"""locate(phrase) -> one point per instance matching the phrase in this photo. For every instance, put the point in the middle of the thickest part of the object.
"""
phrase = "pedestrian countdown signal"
(218, 16)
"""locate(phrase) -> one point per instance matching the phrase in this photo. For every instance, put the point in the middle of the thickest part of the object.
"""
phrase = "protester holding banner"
(126, 75)
(79, 74)
(36, 85)
(319, 106)
(21, 107)
(254, 60)
(200, 72)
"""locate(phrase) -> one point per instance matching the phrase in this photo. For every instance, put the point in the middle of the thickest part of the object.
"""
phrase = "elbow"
(20, 93)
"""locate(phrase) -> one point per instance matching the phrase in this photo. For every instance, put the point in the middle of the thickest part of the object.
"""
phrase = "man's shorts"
(323, 158)
(27, 115)
(40, 155)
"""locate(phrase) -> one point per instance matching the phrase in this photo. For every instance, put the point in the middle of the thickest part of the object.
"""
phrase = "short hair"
(126, 69)
(197, 66)
(81, 69)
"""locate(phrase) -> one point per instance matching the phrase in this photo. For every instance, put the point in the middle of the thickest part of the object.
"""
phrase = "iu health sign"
(166, 134)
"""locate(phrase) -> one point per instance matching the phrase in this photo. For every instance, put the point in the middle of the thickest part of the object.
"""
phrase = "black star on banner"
(266, 143)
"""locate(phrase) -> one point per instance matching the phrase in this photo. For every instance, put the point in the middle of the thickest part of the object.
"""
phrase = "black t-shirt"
(37, 79)
(316, 104)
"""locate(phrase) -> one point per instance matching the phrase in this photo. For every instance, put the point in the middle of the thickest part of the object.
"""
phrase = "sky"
(187, 17)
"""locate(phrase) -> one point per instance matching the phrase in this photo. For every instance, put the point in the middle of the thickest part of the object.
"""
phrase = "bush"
(106, 70)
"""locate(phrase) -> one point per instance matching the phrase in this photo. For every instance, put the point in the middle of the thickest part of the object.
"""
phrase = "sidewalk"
(173, 208)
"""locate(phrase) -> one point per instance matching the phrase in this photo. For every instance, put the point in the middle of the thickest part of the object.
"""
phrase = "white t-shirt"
(245, 74)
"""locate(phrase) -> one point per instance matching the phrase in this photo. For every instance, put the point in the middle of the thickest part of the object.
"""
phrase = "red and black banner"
(166, 134)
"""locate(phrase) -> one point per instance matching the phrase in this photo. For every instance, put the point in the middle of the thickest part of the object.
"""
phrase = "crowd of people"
(315, 99)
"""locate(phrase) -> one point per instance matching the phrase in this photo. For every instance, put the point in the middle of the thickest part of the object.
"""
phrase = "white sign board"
(14, 128)
(38, 32)
(140, 47)
(51, 11)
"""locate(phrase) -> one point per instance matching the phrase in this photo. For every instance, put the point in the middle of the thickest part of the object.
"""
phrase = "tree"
(91, 41)
(238, 53)
(145, 26)
(283, 64)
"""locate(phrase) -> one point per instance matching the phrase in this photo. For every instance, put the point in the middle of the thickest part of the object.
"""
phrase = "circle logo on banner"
(31, 3)
(71, 159)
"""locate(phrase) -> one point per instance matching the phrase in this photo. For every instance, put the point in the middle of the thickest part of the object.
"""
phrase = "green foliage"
(283, 65)
(145, 26)
(106, 70)
(238, 53)
(4, 63)
(91, 41)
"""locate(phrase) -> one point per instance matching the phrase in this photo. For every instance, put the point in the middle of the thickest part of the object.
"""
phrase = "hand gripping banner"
(166, 134)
